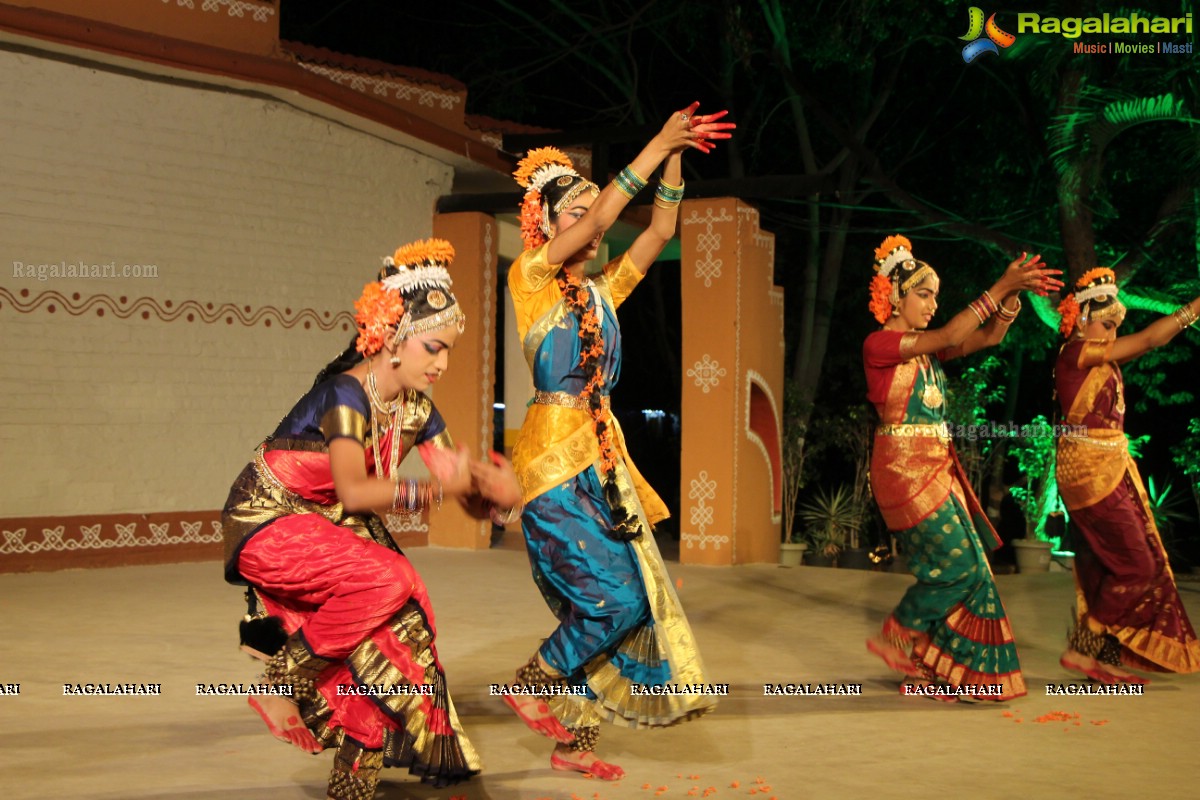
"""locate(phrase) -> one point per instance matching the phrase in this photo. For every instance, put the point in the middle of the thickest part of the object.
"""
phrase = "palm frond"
(1081, 133)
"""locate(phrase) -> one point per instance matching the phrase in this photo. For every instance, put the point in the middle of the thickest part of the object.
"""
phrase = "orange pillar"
(730, 481)
(464, 395)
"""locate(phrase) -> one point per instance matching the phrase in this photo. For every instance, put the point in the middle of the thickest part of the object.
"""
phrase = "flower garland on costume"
(885, 294)
(1098, 282)
(591, 353)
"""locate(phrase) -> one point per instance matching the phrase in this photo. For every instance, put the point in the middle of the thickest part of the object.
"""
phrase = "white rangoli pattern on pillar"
(707, 266)
(702, 490)
(706, 373)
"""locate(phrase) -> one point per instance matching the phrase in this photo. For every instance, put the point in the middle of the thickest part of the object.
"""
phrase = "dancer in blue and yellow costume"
(588, 513)
(949, 633)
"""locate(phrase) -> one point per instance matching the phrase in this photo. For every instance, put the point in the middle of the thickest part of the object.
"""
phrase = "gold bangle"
(665, 185)
(658, 201)
(978, 314)
(1009, 314)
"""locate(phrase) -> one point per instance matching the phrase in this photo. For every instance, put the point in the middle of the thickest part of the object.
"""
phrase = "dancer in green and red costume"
(950, 629)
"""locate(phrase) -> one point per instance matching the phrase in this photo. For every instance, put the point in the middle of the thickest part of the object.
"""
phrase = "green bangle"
(668, 193)
(629, 182)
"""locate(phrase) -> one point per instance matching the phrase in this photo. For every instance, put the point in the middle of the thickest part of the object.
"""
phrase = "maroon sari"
(1124, 584)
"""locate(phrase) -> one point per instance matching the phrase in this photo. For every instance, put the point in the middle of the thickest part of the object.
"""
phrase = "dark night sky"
(475, 42)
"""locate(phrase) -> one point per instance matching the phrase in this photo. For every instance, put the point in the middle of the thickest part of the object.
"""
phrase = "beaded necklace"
(381, 411)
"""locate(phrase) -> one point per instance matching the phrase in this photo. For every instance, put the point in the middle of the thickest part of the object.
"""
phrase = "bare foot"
(1121, 675)
(1076, 661)
(892, 655)
(567, 760)
(283, 720)
(537, 716)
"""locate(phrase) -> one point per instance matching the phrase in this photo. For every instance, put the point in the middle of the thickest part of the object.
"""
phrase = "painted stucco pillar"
(464, 395)
(732, 351)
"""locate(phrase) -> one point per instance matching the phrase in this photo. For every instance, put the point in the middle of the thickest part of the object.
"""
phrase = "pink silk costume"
(953, 614)
(1123, 581)
(341, 581)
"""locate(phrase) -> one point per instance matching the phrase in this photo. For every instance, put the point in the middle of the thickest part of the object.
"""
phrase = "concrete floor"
(176, 625)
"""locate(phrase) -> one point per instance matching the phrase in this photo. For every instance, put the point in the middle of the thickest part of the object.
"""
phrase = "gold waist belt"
(940, 431)
(568, 400)
(1099, 437)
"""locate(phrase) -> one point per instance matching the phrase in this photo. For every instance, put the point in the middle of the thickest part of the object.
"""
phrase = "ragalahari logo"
(977, 46)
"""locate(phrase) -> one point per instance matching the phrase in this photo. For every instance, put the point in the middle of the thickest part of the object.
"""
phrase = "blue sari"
(621, 626)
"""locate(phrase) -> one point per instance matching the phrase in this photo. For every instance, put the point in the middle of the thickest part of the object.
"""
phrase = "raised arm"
(1156, 334)
(967, 332)
(667, 195)
(676, 135)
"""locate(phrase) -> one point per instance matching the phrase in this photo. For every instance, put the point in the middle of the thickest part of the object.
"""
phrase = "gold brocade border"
(911, 477)
(1094, 353)
(1085, 399)
(441, 442)
(903, 379)
(621, 279)
(287, 501)
(944, 666)
(676, 643)
(652, 506)
(908, 343)
(1167, 653)
(344, 421)
(370, 667)
(566, 447)
(1088, 471)
(669, 640)
(541, 329)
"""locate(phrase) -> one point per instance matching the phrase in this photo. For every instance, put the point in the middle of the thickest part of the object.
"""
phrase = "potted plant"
(791, 549)
(829, 519)
(1036, 494)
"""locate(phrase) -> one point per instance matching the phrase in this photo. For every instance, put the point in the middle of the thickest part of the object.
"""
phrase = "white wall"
(233, 199)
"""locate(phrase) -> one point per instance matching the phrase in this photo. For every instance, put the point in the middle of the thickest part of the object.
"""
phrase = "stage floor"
(176, 625)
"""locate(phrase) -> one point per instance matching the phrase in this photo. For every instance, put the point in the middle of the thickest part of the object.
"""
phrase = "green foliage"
(1186, 455)
(1037, 491)
(1171, 515)
(831, 519)
(969, 394)
(845, 434)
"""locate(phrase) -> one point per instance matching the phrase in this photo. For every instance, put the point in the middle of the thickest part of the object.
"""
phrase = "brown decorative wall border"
(45, 544)
(168, 311)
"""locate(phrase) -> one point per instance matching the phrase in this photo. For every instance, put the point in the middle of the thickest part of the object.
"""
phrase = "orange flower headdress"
(411, 296)
(893, 252)
(1095, 284)
(538, 168)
